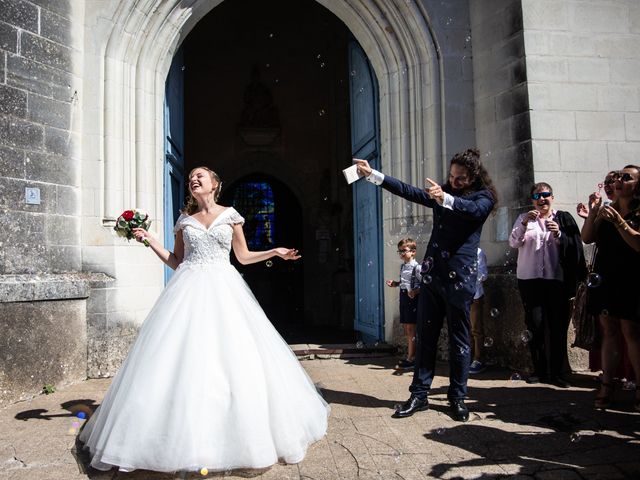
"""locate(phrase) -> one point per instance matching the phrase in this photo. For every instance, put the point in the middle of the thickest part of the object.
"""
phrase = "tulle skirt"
(208, 383)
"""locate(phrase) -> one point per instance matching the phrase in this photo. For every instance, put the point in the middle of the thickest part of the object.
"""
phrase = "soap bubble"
(426, 279)
(452, 274)
(488, 342)
(594, 280)
(440, 431)
(269, 263)
(427, 264)
(445, 254)
(515, 377)
(494, 312)
(526, 336)
(458, 286)
(575, 438)
(359, 344)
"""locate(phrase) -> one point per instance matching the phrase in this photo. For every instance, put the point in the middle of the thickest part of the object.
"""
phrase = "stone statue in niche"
(260, 122)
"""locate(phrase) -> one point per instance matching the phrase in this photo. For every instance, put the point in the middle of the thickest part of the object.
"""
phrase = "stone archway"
(131, 51)
(128, 48)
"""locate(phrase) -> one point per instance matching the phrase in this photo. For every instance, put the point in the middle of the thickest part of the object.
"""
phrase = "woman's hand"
(140, 234)
(610, 214)
(363, 166)
(287, 253)
(595, 200)
(582, 210)
(553, 227)
(531, 216)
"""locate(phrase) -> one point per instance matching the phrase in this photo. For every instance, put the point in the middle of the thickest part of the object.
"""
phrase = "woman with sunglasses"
(615, 229)
(550, 260)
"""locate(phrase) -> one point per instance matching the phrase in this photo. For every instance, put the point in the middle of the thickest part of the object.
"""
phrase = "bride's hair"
(190, 204)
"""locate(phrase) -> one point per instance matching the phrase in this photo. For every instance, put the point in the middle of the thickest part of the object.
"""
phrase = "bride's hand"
(287, 253)
(140, 234)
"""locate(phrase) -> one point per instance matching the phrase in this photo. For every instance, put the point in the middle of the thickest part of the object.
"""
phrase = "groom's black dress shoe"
(459, 411)
(411, 406)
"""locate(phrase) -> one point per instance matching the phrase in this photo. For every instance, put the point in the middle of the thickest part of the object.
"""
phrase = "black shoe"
(533, 379)
(459, 410)
(559, 382)
(411, 406)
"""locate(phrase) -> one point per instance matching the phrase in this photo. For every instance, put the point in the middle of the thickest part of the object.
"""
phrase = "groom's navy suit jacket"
(455, 237)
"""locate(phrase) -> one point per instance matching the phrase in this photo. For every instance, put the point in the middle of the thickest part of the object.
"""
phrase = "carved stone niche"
(260, 120)
(259, 136)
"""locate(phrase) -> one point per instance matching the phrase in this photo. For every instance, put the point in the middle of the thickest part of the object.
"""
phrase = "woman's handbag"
(583, 321)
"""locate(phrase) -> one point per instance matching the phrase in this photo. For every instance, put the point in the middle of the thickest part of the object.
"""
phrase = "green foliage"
(48, 388)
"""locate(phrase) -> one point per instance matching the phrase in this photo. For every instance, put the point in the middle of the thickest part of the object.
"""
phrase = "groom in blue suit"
(449, 272)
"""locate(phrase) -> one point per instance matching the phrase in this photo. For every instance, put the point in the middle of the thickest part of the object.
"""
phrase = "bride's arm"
(245, 256)
(171, 259)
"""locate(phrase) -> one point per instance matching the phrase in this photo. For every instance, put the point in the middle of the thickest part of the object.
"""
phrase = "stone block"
(546, 155)
(64, 258)
(45, 51)
(12, 196)
(61, 7)
(15, 132)
(8, 38)
(11, 163)
(553, 125)
(45, 343)
(625, 71)
(619, 46)
(582, 156)
(59, 141)
(27, 256)
(600, 126)
(20, 14)
(512, 102)
(48, 111)
(632, 126)
(618, 98)
(634, 18)
(545, 15)
(547, 69)
(622, 153)
(588, 70)
(62, 230)
(68, 200)
(35, 77)
(13, 101)
(599, 17)
(44, 167)
(55, 27)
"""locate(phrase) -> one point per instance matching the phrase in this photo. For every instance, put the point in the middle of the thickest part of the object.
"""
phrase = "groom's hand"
(363, 166)
(435, 191)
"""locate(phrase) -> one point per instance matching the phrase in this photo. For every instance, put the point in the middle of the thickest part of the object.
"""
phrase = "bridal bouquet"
(130, 219)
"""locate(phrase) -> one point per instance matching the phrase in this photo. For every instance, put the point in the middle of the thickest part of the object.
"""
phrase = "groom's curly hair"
(480, 179)
(190, 204)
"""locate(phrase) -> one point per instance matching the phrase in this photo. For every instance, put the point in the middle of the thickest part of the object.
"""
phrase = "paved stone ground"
(515, 431)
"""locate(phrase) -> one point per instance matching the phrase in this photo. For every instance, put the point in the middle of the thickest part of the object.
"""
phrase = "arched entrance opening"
(126, 64)
(266, 105)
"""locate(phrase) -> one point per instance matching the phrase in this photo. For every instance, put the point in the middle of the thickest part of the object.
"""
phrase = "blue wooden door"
(174, 151)
(367, 210)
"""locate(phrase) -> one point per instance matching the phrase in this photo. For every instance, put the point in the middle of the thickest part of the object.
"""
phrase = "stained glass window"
(254, 201)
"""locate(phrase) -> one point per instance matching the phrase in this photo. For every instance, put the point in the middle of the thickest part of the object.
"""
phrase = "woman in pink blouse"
(550, 260)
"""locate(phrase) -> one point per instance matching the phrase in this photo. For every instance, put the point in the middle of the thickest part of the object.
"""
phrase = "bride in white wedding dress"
(208, 383)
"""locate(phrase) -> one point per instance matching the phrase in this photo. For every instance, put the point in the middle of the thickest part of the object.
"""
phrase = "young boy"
(477, 332)
(409, 288)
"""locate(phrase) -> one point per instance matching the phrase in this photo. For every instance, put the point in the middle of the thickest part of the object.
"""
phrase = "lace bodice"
(208, 245)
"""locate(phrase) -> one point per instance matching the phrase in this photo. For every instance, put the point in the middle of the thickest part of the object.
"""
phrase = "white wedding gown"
(208, 383)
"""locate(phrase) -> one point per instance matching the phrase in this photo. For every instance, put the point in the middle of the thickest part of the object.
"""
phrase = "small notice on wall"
(32, 195)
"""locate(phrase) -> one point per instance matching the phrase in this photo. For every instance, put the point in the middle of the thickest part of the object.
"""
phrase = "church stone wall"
(42, 295)
(583, 64)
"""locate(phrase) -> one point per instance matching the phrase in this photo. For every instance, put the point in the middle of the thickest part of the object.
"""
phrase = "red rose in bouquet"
(130, 219)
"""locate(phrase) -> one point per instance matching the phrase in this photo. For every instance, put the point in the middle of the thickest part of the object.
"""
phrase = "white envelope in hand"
(351, 174)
